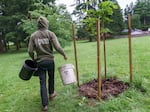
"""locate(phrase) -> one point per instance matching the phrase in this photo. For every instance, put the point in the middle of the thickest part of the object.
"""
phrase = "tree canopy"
(59, 21)
(12, 11)
(18, 20)
(108, 11)
(140, 14)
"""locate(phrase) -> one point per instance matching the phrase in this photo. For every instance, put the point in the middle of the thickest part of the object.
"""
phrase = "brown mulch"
(110, 87)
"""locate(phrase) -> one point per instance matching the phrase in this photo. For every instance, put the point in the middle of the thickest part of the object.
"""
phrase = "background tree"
(116, 25)
(140, 14)
(136, 23)
(18, 20)
(48, 1)
(59, 21)
(12, 11)
(142, 8)
(82, 6)
(128, 10)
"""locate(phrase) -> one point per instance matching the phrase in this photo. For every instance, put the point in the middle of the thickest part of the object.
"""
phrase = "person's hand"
(65, 57)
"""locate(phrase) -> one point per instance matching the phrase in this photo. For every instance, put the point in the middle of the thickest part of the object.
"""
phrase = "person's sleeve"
(56, 45)
(31, 48)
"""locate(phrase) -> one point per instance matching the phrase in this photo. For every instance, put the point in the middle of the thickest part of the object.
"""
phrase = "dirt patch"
(110, 87)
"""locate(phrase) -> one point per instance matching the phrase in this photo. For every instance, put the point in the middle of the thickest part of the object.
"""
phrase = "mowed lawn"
(17, 95)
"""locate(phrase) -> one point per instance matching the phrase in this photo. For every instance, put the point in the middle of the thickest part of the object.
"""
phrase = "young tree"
(117, 24)
(93, 9)
(103, 11)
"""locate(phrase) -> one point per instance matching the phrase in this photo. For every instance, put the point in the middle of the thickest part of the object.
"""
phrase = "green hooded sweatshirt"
(42, 41)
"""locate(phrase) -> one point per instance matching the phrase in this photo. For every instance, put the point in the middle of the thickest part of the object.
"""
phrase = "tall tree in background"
(18, 20)
(48, 1)
(136, 23)
(142, 8)
(140, 14)
(12, 11)
(59, 21)
(128, 10)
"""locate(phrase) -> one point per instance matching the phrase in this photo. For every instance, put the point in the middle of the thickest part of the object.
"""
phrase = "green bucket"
(28, 69)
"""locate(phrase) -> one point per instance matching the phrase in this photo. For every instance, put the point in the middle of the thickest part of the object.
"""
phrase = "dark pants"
(43, 67)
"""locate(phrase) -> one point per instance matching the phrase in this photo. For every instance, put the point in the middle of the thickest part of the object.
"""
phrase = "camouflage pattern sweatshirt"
(42, 41)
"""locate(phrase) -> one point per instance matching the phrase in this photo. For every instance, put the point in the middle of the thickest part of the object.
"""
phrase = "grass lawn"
(17, 95)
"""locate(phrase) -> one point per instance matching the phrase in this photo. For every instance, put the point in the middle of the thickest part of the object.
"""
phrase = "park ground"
(17, 95)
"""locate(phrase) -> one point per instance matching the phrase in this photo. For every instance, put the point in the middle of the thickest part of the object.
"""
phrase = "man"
(42, 42)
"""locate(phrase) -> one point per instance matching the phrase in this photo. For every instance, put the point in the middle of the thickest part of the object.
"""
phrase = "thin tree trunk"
(5, 46)
(104, 38)
(17, 46)
(1, 45)
(144, 20)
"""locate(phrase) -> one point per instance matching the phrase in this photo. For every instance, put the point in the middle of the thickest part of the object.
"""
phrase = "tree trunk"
(144, 19)
(5, 45)
(8, 47)
(90, 39)
(17, 45)
(1, 45)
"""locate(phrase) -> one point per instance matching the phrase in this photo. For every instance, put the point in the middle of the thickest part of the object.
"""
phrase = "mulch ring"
(110, 87)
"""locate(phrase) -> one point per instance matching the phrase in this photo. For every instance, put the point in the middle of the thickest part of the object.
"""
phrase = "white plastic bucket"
(67, 74)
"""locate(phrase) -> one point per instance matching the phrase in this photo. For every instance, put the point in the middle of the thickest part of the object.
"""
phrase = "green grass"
(17, 95)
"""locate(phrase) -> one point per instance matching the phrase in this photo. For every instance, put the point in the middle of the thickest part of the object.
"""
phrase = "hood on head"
(42, 23)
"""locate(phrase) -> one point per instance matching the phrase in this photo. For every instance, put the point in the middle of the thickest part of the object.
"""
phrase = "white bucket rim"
(67, 68)
(66, 65)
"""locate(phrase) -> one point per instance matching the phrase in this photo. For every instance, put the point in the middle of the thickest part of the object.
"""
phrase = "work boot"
(45, 108)
(52, 96)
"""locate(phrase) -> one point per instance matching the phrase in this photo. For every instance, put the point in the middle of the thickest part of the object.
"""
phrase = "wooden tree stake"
(130, 46)
(98, 60)
(75, 53)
